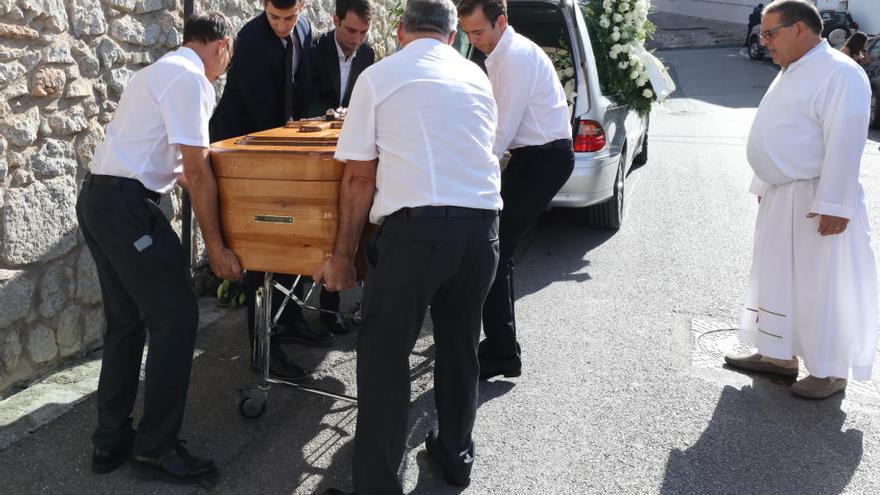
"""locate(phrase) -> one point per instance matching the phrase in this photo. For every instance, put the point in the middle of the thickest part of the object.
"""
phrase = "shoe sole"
(152, 473)
(762, 367)
(808, 397)
(100, 468)
(505, 374)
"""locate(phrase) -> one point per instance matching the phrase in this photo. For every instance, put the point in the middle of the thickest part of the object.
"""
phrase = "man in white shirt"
(159, 132)
(813, 286)
(533, 124)
(417, 145)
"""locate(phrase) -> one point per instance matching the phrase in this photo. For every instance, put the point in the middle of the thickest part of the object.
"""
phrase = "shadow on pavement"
(761, 439)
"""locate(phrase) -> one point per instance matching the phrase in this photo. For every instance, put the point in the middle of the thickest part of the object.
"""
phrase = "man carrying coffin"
(159, 132)
(417, 143)
(533, 124)
(813, 289)
(269, 82)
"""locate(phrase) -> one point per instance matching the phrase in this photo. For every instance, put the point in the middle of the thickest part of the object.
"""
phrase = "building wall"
(63, 65)
(867, 14)
(739, 10)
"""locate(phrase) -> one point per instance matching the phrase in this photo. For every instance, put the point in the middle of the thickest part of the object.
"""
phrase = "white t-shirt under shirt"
(165, 104)
(428, 115)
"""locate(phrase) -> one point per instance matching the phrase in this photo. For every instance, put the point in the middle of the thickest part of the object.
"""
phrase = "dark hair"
(492, 9)
(856, 43)
(206, 28)
(283, 4)
(363, 8)
(434, 16)
(794, 11)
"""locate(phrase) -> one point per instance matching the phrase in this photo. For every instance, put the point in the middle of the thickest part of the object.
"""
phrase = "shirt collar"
(193, 57)
(503, 44)
(422, 45)
(340, 53)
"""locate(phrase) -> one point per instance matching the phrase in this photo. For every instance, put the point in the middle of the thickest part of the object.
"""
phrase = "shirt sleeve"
(357, 139)
(511, 87)
(844, 116)
(183, 112)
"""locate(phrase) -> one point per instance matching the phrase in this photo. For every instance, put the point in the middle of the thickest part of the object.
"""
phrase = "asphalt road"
(622, 391)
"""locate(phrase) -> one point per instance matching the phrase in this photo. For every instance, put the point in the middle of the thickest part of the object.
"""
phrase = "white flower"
(634, 74)
(616, 28)
(568, 72)
(647, 93)
(604, 22)
(641, 82)
(623, 7)
(617, 18)
(615, 36)
(623, 65)
(608, 4)
(613, 55)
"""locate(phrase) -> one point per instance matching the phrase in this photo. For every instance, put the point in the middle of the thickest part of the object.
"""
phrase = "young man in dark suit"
(339, 56)
(269, 82)
(337, 59)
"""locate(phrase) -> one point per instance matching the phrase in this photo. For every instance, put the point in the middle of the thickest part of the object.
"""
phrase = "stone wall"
(63, 65)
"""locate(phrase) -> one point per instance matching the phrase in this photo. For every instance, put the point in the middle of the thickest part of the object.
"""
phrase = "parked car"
(873, 71)
(837, 28)
(609, 138)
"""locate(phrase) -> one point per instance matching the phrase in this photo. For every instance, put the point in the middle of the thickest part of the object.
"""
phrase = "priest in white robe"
(812, 292)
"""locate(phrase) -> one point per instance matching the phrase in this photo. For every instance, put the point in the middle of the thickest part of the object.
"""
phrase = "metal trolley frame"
(252, 401)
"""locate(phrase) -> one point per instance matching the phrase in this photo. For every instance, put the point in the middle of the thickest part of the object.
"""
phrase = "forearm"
(355, 200)
(202, 187)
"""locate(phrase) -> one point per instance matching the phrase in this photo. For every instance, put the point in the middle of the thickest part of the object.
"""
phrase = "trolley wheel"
(252, 403)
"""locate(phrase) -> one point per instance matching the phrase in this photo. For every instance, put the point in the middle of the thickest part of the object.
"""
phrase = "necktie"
(288, 79)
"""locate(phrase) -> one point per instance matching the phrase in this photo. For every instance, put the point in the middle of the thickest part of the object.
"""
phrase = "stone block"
(16, 293)
(130, 30)
(11, 31)
(110, 53)
(87, 18)
(140, 58)
(53, 158)
(16, 89)
(58, 54)
(41, 344)
(91, 108)
(7, 53)
(68, 122)
(53, 11)
(122, 5)
(39, 221)
(88, 288)
(94, 325)
(68, 333)
(144, 6)
(21, 129)
(48, 81)
(86, 142)
(54, 287)
(4, 167)
(89, 65)
(31, 59)
(10, 72)
(118, 79)
(10, 349)
(79, 88)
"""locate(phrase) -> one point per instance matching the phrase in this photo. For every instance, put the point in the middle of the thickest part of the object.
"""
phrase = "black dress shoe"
(300, 332)
(456, 468)
(106, 461)
(336, 324)
(490, 366)
(175, 466)
(282, 367)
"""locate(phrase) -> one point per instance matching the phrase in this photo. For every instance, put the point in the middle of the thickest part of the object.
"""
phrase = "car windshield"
(835, 18)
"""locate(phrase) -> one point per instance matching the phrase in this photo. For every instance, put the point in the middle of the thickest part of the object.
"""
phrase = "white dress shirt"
(531, 102)
(813, 122)
(165, 104)
(428, 115)
(344, 69)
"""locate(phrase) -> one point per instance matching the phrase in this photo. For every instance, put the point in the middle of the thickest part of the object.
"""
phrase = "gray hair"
(794, 11)
(436, 16)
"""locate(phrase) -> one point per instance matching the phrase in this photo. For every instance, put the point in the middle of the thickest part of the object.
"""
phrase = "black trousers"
(444, 257)
(140, 266)
(532, 177)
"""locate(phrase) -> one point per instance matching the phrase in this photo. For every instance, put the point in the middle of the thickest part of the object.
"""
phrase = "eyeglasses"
(770, 33)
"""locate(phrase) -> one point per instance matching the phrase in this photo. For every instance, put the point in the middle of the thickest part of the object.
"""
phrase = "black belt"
(443, 212)
(552, 145)
(121, 183)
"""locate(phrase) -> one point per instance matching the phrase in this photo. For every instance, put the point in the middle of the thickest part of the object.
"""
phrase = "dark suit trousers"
(447, 263)
(292, 312)
(144, 291)
(532, 177)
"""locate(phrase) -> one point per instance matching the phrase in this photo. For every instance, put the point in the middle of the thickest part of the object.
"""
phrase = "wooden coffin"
(279, 195)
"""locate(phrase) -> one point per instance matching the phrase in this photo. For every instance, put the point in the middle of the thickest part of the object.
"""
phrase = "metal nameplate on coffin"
(273, 219)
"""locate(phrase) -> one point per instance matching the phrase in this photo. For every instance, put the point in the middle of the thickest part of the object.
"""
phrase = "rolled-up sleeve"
(183, 112)
(357, 139)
